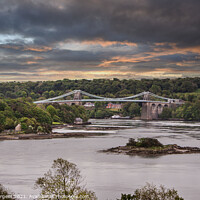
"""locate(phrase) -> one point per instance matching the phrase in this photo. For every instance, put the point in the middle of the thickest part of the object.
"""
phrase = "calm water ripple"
(23, 161)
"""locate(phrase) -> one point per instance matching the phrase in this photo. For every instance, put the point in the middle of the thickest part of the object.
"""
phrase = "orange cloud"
(30, 62)
(104, 43)
(160, 50)
(27, 48)
(37, 49)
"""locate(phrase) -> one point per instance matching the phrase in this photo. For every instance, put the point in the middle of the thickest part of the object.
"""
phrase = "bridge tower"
(77, 98)
(153, 110)
(146, 108)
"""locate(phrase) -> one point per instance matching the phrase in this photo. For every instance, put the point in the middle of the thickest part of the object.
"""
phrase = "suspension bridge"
(152, 104)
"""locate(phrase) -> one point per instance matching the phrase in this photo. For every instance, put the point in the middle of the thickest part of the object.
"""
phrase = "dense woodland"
(16, 100)
(105, 87)
(34, 119)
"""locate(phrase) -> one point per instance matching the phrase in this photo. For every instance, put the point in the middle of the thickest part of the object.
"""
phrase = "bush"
(131, 142)
(5, 195)
(144, 142)
(9, 124)
(151, 192)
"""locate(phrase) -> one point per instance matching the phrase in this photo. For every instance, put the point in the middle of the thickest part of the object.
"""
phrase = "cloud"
(111, 20)
(138, 38)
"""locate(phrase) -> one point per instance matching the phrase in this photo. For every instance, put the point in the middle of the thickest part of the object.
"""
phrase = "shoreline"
(48, 136)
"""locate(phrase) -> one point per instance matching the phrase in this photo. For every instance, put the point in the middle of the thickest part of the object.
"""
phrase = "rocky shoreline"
(138, 149)
(169, 149)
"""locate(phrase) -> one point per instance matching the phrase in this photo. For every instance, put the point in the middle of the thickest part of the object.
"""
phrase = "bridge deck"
(104, 99)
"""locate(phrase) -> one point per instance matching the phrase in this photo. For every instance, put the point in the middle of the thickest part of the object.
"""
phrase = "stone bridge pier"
(77, 98)
(153, 110)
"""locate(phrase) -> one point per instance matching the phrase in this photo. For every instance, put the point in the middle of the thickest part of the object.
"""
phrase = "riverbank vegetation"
(151, 192)
(190, 111)
(34, 119)
(20, 111)
(187, 89)
(5, 194)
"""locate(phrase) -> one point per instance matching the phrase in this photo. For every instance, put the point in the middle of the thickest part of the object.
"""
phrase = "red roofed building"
(114, 106)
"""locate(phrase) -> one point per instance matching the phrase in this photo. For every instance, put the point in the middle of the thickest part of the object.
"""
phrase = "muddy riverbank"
(48, 136)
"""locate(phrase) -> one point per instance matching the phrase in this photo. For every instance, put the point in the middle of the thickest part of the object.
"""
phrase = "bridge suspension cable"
(99, 98)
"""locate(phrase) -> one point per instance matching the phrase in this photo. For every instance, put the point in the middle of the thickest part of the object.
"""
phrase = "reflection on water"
(22, 162)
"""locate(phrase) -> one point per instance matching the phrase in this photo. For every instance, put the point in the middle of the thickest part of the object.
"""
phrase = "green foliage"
(51, 94)
(41, 116)
(24, 126)
(131, 142)
(144, 142)
(151, 192)
(2, 105)
(103, 113)
(100, 105)
(166, 113)
(17, 111)
(5, 194)
(9, 123)
(65, 113)
(131, 109)
(51, 110)
(104, 87)
(189, 111)
(39, 129)
(156, 89)
(2, 121)
(183, 88)
(63, 181)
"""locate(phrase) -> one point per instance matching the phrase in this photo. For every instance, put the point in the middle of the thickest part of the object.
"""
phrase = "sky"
(75, 39)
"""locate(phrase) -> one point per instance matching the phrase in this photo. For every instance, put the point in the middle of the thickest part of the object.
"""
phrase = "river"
(23, 161)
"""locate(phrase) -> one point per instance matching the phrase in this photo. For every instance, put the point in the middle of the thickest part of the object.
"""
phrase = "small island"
(150, 147)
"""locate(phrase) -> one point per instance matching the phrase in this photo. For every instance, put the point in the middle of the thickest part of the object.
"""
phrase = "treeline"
(190, 111)
(104, 87)
(34, 119)
(187, 89)
(128, 109)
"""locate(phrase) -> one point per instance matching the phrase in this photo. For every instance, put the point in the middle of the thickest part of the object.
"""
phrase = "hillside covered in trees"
(173, 88)
(16, 100)
(34, 119)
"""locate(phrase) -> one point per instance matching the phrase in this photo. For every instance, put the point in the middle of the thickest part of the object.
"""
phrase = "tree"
(3, 105)
(131, 109)
(155, 89)
(51, 110)
(5, 195)
(166, 113)
(45, 94)
(9, 123)
(51, 94)
(62, 181)
(151, 192)
(2, 121)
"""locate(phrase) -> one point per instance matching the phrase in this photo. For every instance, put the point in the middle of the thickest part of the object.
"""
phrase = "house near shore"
(18, 128)
(89, 105)
(114, 106)
(78, 121)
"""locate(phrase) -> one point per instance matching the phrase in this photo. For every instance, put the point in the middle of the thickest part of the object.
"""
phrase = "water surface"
(23, 161)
